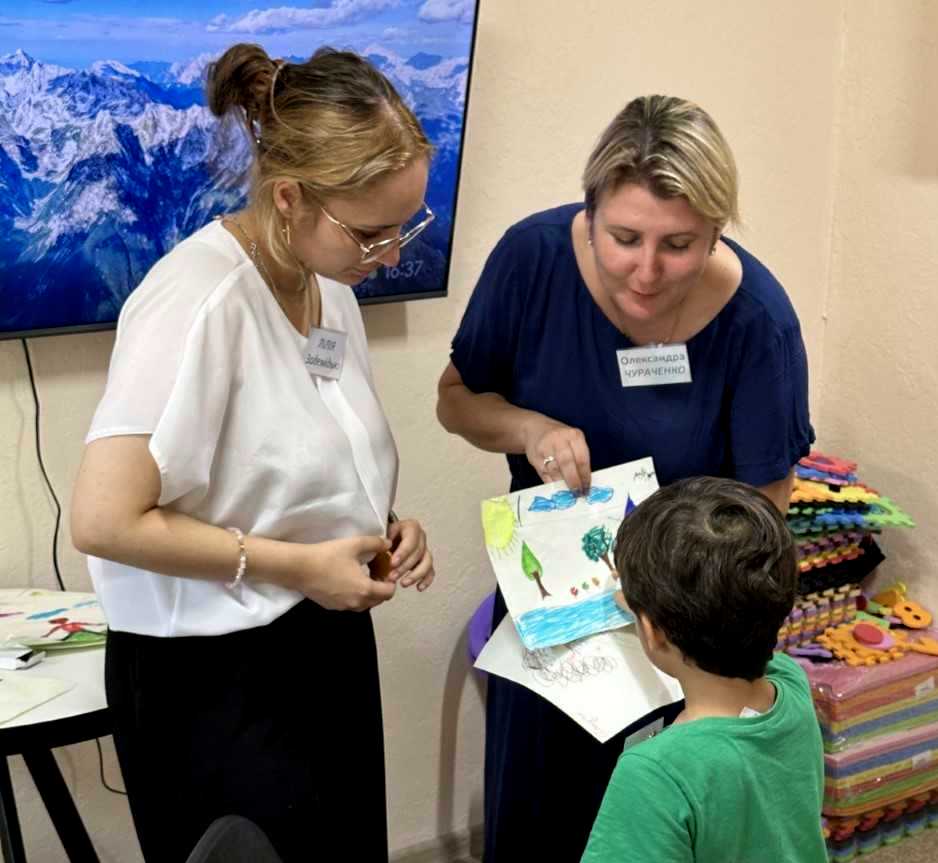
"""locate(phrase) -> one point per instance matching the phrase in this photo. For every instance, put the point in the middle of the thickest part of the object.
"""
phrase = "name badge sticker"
(645, 733)
(324, 354)
(654, 365)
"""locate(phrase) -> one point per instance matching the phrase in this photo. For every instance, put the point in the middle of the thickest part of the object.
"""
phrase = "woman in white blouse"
(239, 475)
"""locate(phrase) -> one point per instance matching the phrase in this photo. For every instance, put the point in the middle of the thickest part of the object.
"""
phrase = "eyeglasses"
(371, 252)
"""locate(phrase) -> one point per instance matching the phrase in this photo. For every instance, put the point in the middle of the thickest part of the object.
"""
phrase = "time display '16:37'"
(404, 270)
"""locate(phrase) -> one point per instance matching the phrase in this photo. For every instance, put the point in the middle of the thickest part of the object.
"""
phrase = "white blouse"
(207, 364)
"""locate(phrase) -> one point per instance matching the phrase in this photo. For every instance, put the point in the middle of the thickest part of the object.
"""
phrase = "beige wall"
(879, 399)
(838, 201)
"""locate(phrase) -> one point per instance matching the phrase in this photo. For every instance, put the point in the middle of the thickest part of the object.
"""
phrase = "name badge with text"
(324, 354)
(655, 365)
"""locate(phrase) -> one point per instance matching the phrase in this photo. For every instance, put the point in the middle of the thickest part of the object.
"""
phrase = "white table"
(75, 716)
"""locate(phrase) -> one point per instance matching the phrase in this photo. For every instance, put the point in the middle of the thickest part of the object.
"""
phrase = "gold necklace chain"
(264, 272)
(677, 318)
(260, 265)
(670, 339)
(652, 343)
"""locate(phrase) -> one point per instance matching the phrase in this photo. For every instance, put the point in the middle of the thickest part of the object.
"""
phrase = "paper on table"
(51, 619)
(552, 552)
(603, 682)
(20, 692)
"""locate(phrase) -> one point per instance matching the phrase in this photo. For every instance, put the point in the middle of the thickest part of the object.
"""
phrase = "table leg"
(11, 839)
(60, 806)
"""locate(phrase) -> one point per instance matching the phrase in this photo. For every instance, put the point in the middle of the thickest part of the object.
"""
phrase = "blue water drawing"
(565, 499)
(547, 627)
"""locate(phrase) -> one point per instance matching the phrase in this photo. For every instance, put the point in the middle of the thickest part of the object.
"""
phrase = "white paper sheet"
(20, 692)
(603, 682)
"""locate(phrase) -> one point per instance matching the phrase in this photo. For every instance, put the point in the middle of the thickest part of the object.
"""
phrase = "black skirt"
(545, 776)
(280, 724)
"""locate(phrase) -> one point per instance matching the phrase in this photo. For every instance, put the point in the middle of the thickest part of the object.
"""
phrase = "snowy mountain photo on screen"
(109, 157)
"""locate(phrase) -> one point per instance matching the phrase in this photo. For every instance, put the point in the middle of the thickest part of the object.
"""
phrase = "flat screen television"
(109, 157)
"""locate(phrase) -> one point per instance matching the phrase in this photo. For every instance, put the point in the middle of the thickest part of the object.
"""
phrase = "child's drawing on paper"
(560, 624)
(69, 627)
(565, 499)
(604, 682)
(531, 567)
(562, 543)
(50, 619)
(498, 525)
(597, 545)
(585, 585)
(566, 664)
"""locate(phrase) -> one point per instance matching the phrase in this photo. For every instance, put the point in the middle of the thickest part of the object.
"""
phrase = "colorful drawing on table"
(603, 682)
(553, 558)
(51, 619)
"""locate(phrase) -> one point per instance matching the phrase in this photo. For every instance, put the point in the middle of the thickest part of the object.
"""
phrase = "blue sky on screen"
(76, 33)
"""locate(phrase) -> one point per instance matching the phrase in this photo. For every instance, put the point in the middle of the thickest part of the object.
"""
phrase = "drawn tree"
(532, 568)
(596, 545)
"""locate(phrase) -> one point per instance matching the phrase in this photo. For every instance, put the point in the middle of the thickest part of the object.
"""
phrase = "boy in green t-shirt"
(708, 568)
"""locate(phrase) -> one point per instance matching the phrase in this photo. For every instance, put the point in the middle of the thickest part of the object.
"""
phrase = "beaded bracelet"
(242, 560)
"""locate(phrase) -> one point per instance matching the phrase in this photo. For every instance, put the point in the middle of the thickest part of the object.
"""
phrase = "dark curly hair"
(711, 563)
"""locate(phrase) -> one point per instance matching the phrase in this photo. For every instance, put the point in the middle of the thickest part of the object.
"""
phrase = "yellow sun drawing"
(498, 525)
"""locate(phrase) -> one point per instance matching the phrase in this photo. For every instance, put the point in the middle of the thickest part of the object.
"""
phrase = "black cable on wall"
(58, 523)
(42, 467)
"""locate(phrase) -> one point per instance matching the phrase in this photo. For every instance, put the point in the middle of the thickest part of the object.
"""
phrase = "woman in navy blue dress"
(547, 367)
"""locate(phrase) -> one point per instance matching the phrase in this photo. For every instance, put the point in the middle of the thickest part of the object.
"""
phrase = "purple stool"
(480, 627)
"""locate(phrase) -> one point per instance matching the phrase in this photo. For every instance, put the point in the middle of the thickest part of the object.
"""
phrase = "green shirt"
(721, 789)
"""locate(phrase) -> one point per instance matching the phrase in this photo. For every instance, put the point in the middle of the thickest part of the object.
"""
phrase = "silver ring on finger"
(548, 461)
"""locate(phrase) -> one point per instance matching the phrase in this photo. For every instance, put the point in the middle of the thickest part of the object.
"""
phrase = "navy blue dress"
(533, 333)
